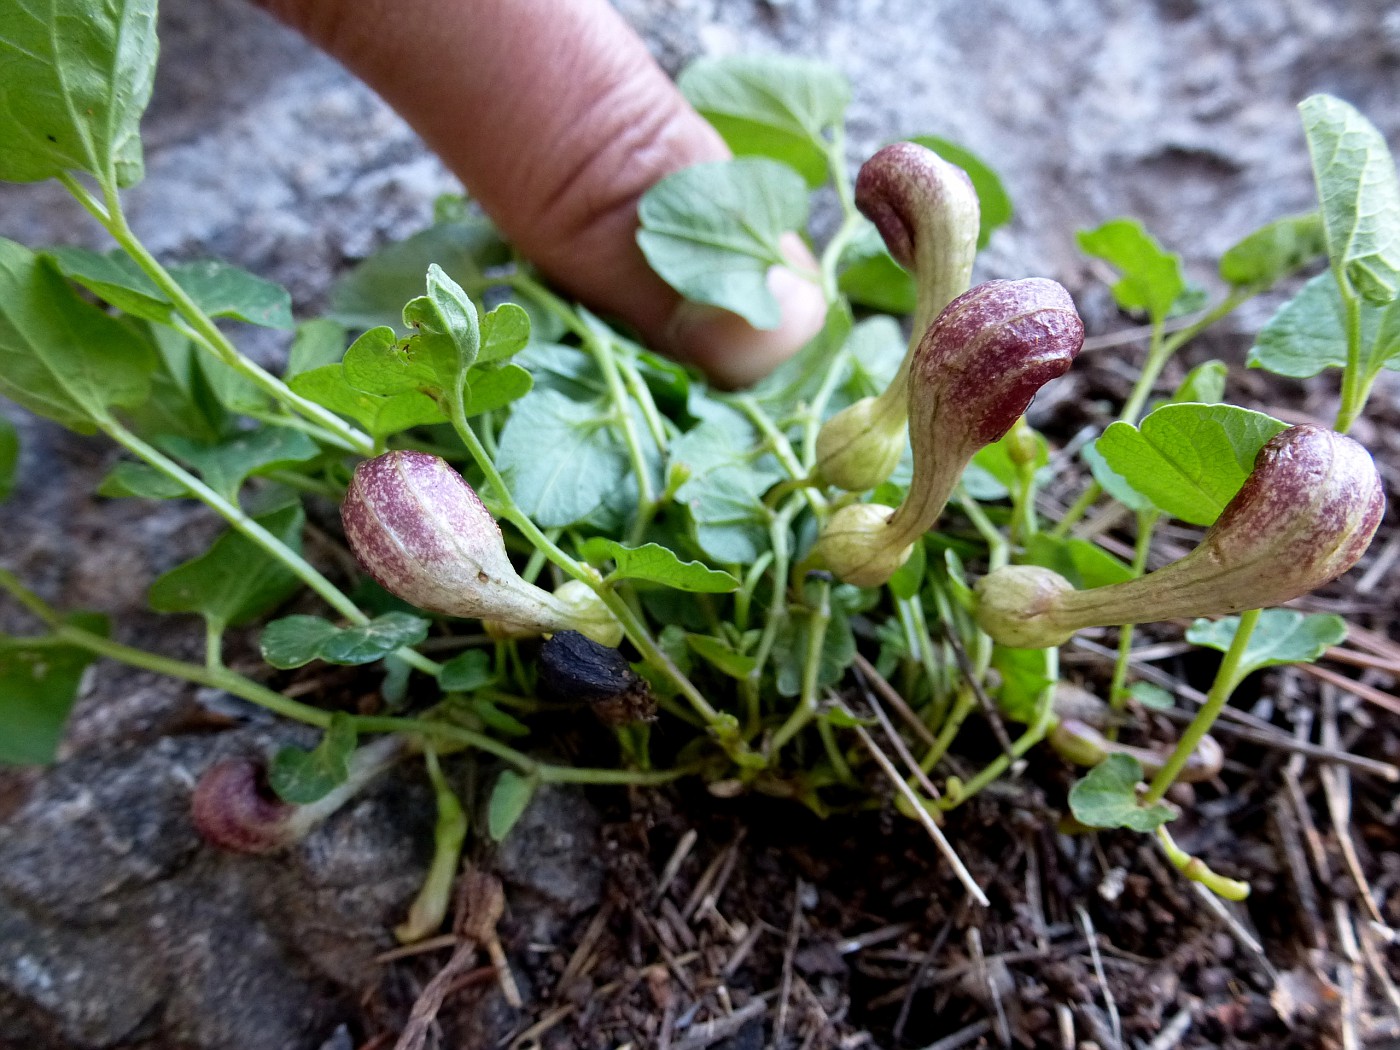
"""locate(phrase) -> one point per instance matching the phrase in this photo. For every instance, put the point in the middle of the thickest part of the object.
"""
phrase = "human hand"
(556, 119)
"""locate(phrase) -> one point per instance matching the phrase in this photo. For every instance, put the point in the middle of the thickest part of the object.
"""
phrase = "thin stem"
(811, 670)
(781, 447)
(963, 706)
(213, 643)
(247, 527)
(31, 601)
(1117, 693)
(1158, 353)
(211, 338)
(1354, 386)
(1226, 678)
(998, 550)
(1034, 734)
(1197, 870)
(1077, 510)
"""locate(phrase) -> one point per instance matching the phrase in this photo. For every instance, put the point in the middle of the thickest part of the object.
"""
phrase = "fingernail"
(730, 350)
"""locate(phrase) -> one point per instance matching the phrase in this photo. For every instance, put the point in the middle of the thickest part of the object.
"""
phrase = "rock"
(119, 925)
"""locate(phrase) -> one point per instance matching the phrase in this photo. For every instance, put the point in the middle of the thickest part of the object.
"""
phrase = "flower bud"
(1305, 515)
(1083, 745)
(419, 529)
(854, 545)
(927, 212)
(234, 807)
(974, 373)
(859, 447)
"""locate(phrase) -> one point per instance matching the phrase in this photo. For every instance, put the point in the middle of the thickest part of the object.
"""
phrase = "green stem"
(1117, 693)
(963, 706)
(1077, 510)
(213, 643)
(1355, 387)
(782, 448)
(113, 219)
(1197, 870)
(1034, 734)
(1226, 678)
(811, 670)
(259, 536)
(998, 550)
(429, 908)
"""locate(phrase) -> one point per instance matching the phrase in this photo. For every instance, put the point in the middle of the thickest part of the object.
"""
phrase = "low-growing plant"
(764, 571)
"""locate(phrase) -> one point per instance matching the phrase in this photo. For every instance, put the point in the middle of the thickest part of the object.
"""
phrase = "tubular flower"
(973, 374)
(1304, 516)
(418, 528)
(926, 211)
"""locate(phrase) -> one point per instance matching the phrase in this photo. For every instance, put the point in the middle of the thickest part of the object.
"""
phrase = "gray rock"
(116, 925)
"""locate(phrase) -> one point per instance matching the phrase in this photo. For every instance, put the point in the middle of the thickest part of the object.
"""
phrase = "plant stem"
(1196, 869)
(811, 670)
(1034, 734)
(239, 520)
(1117, 693)
(998, 550)
(632, 624)
(1226, 678)
(1355, 386)
(782, 448)
(113, 219)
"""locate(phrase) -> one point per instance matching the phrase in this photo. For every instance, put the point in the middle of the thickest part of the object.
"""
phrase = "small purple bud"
(1305, 515)
(234, 808)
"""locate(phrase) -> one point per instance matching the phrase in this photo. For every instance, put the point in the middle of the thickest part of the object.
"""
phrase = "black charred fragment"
(574, 668)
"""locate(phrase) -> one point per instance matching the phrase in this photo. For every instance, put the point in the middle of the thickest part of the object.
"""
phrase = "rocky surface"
(116, 925)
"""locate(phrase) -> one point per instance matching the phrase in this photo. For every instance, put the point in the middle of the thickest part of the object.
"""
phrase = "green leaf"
(1359, 191)
(721, 654)
(1107, 797)
(561, 458)
(993, 201)
(296, 640)
(1204, 384)
(318, 342)
(448, 334)
(908, 579)
(302, 777)
(373, 293)
(1308, 334)
(1084, 564)
(1151, 278)
(1152, 696)
(235, 581)
(505, 331)
(723, 491)
(467, 672)
(1190, 460)
(1111, 481)
(1025, 676)
(218, 288)
(378, 414)
(75, 79)
(772, 105)
(790, 652)
(60, 356)
(9, 457)
(712, 232)
(378, 362)
(658, 564)
(374, 640)
(225, 466)
(39, 681)
(1281, 636)
(1272, 252)
(128, 479)
(510, 796)
(491, 388)
(868, 274)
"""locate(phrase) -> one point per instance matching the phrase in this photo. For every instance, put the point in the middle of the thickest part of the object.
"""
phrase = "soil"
(675, 918)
